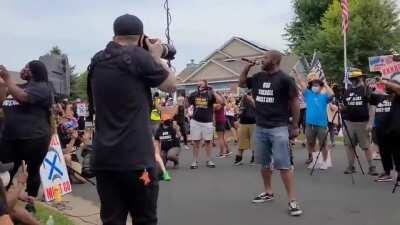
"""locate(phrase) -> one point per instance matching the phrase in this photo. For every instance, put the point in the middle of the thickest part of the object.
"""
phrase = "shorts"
(272, 147)
(220, 127)
(314, 133)
(358, 133)
(201, 131)
(246, 139)
(172, 151)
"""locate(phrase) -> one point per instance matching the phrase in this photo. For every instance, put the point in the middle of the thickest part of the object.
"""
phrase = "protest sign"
(390, 69)
(53, 171)
(377, 62)
(81, 109)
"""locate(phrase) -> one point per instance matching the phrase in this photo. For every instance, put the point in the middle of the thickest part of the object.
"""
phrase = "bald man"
(276, 99)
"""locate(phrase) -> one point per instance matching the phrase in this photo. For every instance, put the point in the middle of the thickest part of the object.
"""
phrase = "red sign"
(391, 69)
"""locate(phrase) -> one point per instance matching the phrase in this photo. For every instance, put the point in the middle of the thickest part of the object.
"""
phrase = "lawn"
(43, 213)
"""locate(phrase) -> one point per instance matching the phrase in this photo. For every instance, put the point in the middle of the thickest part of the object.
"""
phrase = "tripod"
(345, 128)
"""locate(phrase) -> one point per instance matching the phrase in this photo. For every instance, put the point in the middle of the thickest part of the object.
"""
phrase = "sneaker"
(187, 148)
(210, 164)
(376, 156)
(194, 165)
(228, 154)
(252, 161)
(166, 176)
(238, 160)
(350, 170)
(372, 171)
(220, 156)
(323, 166)
(263, 197)
(384, 178)
(294, 208)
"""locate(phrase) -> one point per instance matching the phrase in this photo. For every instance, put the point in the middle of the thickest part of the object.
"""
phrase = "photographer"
(201, 125)
(357, 119)
(26, 134)
(119, 82)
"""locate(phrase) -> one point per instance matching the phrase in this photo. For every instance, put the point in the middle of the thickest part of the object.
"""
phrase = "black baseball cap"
(128, 25)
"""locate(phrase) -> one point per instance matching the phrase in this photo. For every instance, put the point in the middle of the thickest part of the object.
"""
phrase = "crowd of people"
(137, 134)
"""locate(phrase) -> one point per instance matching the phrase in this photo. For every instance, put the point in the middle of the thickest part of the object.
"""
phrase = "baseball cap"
(128, 25)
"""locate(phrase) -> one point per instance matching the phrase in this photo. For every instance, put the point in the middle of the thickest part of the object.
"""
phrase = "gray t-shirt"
(28, 120)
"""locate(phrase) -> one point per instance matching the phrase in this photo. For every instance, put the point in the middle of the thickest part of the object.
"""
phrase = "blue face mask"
(316, 89)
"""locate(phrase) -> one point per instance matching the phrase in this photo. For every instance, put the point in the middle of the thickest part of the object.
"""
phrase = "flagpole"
(345, 56)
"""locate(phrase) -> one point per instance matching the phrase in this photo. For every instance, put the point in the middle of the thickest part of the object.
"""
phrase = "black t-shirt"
(391, 124)
(203, 102)
(247, 114)
(121, 78)
(167, 137)
(383, 104)
(356, 104)
(272, 93)
(31, 119)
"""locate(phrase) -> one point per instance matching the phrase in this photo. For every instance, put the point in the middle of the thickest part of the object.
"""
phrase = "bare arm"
(243, 75)
(6, 220)
(3, 90)
(18, 93)
(218, 98)
(392, 86)
(372, 110)
(328, 89)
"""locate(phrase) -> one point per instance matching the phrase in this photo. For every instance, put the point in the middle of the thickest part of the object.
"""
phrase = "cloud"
(81, 28)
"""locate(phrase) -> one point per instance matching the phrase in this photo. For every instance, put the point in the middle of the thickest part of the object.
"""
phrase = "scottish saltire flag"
(316, 67)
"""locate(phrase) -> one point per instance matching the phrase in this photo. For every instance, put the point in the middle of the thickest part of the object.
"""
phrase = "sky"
(30, 28)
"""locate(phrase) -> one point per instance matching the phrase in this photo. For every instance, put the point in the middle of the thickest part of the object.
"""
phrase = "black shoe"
(309, 160)
(384, 178)
(30, 207)
(263, 197)
(294, 208)
(350, 170)
(252, 161)
(372, 171)
(238, 160)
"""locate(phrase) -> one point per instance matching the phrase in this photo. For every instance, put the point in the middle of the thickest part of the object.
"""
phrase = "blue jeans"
(272, 147)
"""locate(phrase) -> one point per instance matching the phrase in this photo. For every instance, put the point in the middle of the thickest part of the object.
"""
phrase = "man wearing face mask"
(201, 125)
(356, 114)
(276, 97)
(316, 115)
(26, 133)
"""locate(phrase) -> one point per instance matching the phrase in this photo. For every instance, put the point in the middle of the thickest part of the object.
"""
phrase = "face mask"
(315, 89)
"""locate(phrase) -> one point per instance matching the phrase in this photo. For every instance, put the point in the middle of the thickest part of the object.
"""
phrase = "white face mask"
(5, 178)
(315, 89)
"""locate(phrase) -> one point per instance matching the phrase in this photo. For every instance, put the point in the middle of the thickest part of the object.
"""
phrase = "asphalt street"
(222, 196)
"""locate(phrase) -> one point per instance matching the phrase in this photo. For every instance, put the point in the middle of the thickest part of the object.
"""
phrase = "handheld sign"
(376, 63)
(81, 109)
(53, 171)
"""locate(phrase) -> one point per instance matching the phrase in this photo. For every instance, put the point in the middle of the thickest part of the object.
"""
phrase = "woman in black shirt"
(26, 131)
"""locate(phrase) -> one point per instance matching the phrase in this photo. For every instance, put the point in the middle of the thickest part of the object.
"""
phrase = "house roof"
(233, 65)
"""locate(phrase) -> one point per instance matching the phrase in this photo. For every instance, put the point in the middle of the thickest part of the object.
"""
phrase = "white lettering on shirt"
(10, 101)
(266, 91)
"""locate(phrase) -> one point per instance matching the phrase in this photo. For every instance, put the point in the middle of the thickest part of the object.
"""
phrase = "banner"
(53, 171)
(390, 69)
(81, 109)
(377, 62)
(316, 67)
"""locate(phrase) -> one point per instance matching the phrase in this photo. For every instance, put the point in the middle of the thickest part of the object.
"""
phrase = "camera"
(168, 53)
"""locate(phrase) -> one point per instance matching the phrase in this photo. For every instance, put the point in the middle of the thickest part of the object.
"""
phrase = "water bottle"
(50, 221)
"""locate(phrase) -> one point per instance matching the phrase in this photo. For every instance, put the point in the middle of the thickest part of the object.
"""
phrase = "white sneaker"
(187, 147)
(194, 165)
(210, 164)
(294, 208)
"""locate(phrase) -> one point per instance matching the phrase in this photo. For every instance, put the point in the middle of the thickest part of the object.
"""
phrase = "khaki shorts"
(358, 133)
(201, 131)
(246, 136)
(314, 133)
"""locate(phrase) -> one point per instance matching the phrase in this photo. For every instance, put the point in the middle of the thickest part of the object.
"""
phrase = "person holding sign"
(27, 129)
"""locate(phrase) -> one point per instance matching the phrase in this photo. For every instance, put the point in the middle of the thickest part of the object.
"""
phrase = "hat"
(128, 25)
(312, 76)
(355, 73)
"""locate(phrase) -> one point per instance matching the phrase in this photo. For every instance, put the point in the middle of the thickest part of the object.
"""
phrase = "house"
(223, 66)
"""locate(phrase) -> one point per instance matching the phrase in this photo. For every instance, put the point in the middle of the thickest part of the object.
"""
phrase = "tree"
(306, 22)
(78, 86)
(55, 50)
(374, 30)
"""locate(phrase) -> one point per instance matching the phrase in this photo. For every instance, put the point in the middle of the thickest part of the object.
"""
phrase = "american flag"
(345, 16)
